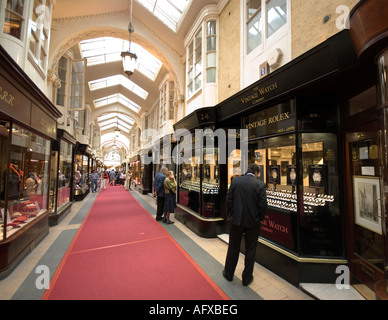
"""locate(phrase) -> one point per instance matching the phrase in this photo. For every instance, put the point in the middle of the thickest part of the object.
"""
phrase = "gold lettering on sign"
(270, 120)
(6, 97)
(258, 94)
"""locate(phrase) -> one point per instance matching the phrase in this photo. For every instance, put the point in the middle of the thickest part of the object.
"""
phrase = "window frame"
(266, 40)
(41, 36)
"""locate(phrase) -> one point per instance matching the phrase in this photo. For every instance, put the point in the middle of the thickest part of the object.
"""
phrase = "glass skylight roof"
(117, 98)
(118, 80)
(107, 49)
(168, 11)
(113, 115)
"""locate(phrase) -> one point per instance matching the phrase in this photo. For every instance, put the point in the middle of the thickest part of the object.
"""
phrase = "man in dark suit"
(159, 191)
(247, 203)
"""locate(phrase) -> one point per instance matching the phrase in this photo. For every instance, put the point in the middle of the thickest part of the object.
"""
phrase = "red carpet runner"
(121, 253)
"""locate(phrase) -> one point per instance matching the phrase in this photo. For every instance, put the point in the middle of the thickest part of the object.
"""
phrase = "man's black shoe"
(247, 282)
(226, 277)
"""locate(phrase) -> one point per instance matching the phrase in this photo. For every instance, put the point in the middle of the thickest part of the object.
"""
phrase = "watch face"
(291, 176)
(317, 176)
(274, 175)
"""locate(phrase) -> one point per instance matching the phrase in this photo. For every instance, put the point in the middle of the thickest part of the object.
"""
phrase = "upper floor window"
(263, 19)
(202, 57)
(77, 84)
(194, 65)
(14, 18)
(276, 15)
(62, 75)
(167, 97)
(254, 25)
(40, 28)
(211, 51)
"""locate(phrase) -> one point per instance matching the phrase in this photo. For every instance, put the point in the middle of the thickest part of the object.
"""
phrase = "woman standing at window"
(170, 199)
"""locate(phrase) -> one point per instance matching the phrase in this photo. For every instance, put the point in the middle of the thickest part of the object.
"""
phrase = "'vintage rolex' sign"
(277, 119)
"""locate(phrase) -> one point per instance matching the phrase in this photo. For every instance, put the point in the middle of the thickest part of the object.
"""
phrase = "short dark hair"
(253, 167)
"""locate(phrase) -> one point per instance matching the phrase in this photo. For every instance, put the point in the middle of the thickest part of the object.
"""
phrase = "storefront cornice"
(25, 85)
(325, 61)
(201, 118)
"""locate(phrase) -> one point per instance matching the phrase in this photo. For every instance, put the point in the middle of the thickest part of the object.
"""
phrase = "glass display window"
(28, 180)
(320, 218)
(199, 182)
(81, 174)
(190, 183)
(210, 183)
(302, 189)
(64, 173)
(276, 158)
(234, 165)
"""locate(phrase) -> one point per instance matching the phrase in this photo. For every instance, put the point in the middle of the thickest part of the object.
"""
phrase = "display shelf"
(287, 200)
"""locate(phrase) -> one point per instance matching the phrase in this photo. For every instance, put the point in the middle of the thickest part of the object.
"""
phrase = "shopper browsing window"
(247, 203)
(170, 196)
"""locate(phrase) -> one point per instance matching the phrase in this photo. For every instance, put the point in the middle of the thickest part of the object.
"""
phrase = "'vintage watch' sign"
(277, 119)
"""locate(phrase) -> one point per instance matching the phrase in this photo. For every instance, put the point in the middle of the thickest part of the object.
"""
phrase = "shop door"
(365, 204)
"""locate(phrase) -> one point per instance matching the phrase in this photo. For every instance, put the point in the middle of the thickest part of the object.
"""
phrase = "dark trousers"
(159, 207)
(251, 236)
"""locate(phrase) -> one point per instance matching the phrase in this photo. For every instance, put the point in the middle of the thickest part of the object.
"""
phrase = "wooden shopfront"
(366, 141)
(28, 126)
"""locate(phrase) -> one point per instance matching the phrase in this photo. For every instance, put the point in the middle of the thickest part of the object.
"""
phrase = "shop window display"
(199, 183)
(301, 189)
(64, 173)
(27, 192)
(81, 176)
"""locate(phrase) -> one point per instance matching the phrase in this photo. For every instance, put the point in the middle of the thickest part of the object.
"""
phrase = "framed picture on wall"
(367, 206)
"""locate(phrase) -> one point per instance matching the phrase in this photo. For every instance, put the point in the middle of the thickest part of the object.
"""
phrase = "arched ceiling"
(75, 21)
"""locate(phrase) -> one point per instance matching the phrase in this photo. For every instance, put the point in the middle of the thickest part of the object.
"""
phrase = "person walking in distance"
(159, 192)
(95, 177)
(247, 203)
(105, 178)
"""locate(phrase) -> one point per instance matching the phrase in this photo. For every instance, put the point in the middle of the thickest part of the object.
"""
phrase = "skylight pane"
(105, 50)
(117, 98)
(118, 80)
(168, 11)
(105, 123)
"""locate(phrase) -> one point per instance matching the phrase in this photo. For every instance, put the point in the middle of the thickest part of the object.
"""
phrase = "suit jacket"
(159, 184)
(247, 201)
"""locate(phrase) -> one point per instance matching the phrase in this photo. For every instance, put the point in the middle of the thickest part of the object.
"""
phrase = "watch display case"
(304, 185)
(199, 183)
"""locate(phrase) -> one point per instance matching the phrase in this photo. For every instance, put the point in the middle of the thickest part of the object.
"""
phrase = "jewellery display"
(21, 214)
(207, 187)
(287, 200)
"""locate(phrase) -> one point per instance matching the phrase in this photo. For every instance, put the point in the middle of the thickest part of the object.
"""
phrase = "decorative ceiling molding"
(92, 16)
